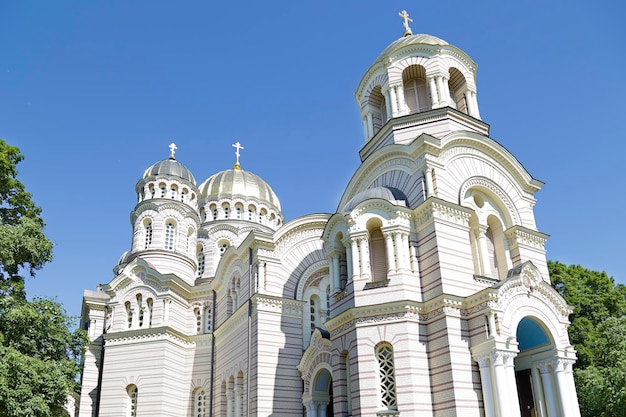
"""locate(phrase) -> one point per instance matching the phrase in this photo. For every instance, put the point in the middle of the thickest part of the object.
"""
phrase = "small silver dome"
(170, 167)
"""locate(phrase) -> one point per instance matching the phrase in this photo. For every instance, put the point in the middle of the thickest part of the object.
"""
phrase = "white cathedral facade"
(426, 294)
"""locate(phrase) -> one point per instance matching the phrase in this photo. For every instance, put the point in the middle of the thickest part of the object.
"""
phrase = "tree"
(598, 333)
(38, 351)
(23, 245)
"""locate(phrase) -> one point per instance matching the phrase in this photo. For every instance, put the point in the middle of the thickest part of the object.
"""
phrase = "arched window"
(415, 89)
(141, 310)
(201, 261)
(315, 312)
(151, 190)
(238, 210)
(251, 213)
(458, 89)
(378, 256)
(173, 192)
(226, 209)
(183, 195)
(386, 377)
(379, 107)
(131, 407)
(149, 304)
(202, 214)
(170, 229)
(223, 245)
(199, 403)
(129, 314)
(148, 233)
(163, 190)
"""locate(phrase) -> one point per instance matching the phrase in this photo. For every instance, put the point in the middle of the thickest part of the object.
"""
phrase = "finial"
(172, 150)
(407, 29)
(237, 146)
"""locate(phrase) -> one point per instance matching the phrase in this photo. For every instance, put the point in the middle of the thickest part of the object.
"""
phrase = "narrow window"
(173, 192)
(238, 212)
(226, 211)
(387, 379)
(141, 312)
(208, 319)
(131, 390)
(162, 187)
(129, 314)
(214, 214)
(200, 256)
(200, 403)
(169, 235)
(148, 239)
(183, 195)
(149, 303)
(198, 320)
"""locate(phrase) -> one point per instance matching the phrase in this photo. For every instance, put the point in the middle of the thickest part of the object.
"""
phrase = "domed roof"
(390, 194)
(236, 182)
(420, 38)
(170, 167)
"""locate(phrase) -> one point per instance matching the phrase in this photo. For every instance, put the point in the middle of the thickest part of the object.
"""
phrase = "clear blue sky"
(93, 92)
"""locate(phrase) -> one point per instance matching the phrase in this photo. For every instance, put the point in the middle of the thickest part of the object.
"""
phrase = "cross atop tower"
(407, 29)
(172, 150)
(238, 147)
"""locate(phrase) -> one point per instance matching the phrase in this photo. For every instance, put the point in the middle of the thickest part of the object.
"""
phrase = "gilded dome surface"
(172, 168)
(237, 183)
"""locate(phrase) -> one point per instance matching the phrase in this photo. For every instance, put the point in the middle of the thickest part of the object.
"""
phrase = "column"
(336, 275)
(501, 383)
(562, 386)
(322, 408)
(569, 375)
(401, 102)
(389, 249)
(429, 182)
(548, 389)
(364, 255)
(311, 409)
(349, 262)
(230, 403)
(540, 401)
(402, 246)
(444, 92)
(370, 125)
(238, 401)
(365, 132)
(413, 255)
(356, 261)
(387, 104)
(394, 101)
(509, 367)
(484, 365)
(261, 273)
(397, 240)
(483, 253)
(474, 104)
(434, 95)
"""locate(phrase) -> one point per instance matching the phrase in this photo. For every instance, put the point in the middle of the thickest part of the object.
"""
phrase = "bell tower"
(418, 84)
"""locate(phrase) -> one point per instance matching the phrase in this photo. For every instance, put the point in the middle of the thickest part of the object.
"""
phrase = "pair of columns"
(554, 391)
(401, 257)
(234, 402)
(316, 408)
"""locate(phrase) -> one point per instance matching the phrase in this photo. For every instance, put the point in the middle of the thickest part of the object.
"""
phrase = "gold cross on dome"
(237, 146)
(407, 29)
(172, 150)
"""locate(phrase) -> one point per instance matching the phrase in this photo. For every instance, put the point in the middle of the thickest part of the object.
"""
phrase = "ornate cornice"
(148, 335)
(494, 188)
(519, 235)
(436, 209)
(283, 306)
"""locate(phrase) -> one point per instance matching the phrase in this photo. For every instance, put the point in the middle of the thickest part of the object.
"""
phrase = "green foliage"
(22, 241)
(38, 353)
(38, 357)
(598, 333)
(602, 386)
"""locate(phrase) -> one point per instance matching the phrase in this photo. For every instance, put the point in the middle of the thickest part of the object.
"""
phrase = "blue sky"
(93, 93)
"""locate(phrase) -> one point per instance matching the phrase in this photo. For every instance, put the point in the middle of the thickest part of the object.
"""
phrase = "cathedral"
(425, 294)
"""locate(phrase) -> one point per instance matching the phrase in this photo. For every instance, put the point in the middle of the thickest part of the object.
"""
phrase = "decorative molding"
(494, 188)
(436, 209)
(148, 335)
(519, 235)
(283, 306)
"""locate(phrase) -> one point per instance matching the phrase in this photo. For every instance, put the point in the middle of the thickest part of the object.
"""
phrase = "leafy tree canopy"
(38, 351)
(22, 241)
(598, 333)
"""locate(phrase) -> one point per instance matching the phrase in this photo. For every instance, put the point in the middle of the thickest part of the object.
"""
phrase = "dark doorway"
(523, 379)
(329, 407)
